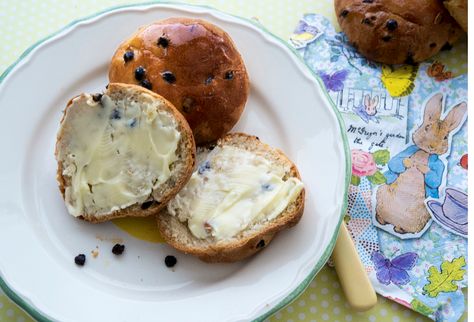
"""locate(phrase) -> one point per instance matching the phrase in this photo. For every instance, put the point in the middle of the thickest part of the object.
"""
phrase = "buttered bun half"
(241, 194)
(125, 152)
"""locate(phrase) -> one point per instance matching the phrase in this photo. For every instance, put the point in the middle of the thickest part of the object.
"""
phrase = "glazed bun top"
(192, 63)
(397, 31)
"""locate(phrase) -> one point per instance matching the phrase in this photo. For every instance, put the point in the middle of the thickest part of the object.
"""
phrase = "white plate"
(287, 108)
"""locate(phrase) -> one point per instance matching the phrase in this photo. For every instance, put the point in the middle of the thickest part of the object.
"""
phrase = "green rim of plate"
(36, 314)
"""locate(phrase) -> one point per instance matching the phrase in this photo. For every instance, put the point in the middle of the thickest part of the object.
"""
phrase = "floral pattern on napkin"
(382, 105)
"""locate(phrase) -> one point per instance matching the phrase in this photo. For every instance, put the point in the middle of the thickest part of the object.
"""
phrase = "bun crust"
(193, 64)
(397, 31)
(458, 9)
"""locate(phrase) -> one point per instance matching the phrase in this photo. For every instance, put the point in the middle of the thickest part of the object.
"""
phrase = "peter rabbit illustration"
(417, 172)
(368, 111)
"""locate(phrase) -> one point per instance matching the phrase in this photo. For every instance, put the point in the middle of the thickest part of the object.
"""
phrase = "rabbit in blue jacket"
(417, 172)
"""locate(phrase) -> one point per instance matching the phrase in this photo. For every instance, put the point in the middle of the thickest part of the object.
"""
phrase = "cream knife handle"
(354, 280)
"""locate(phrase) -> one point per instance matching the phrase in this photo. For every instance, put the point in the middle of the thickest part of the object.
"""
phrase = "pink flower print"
(363, 163)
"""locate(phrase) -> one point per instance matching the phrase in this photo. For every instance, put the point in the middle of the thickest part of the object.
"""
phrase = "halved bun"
(255, 236)
(129, 146)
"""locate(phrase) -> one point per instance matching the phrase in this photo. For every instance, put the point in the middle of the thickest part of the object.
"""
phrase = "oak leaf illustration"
(443, 280)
